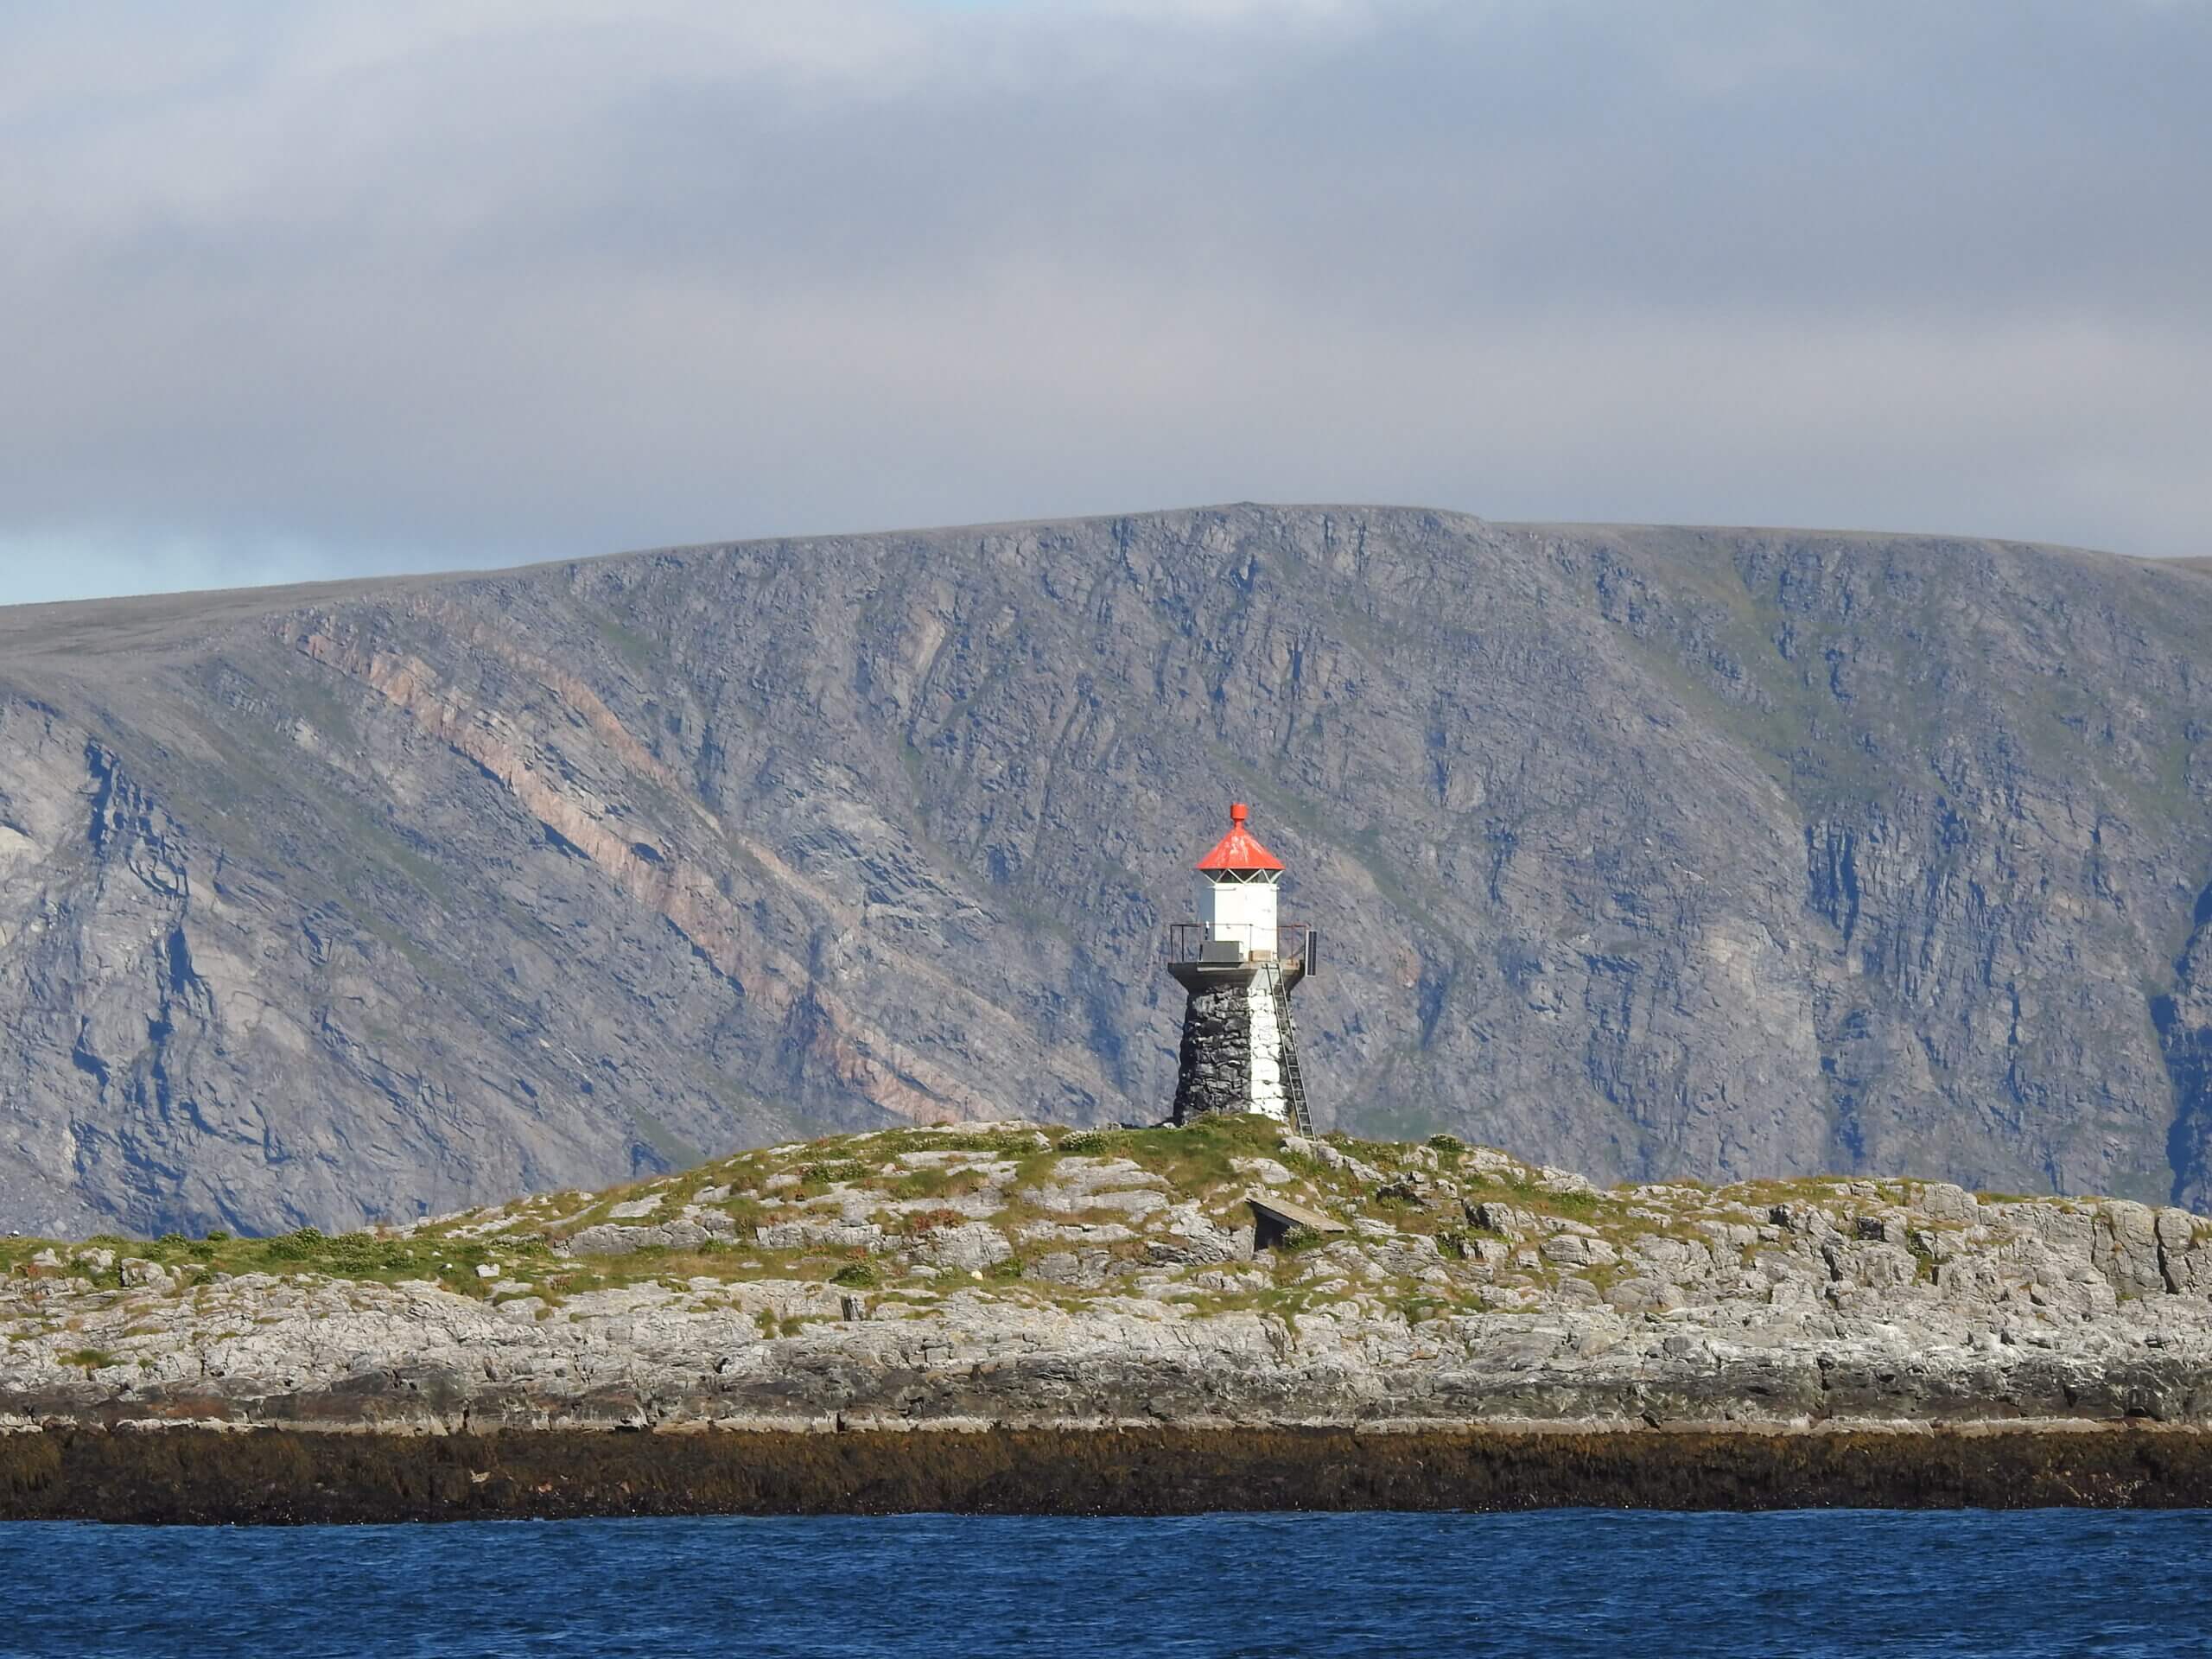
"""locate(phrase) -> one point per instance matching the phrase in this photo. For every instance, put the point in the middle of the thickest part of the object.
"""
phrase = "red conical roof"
(1238, 850)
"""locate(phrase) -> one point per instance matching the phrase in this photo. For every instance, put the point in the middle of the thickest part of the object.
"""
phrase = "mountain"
(1654, 852)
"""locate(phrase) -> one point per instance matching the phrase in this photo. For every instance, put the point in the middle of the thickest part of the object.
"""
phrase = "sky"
(292, 289)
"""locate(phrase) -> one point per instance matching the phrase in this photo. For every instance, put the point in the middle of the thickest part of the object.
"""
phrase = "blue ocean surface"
(1275, 1587)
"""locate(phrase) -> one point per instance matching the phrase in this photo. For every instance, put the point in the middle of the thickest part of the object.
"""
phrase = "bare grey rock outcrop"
(1657, 852)
(1018, 1278)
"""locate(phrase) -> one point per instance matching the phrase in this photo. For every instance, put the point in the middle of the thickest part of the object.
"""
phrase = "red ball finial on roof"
(1238, 812)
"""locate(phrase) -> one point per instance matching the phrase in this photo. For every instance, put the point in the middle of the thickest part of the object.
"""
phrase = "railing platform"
(1189, 945)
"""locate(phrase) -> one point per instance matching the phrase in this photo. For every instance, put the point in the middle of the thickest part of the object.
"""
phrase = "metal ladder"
(1294, 1079)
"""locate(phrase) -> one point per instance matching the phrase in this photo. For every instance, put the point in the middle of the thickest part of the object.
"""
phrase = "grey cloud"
(318, 288)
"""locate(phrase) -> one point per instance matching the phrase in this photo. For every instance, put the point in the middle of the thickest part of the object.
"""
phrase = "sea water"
(1276, 1586)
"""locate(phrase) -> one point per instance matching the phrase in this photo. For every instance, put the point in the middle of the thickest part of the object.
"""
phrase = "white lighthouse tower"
(1239, 961)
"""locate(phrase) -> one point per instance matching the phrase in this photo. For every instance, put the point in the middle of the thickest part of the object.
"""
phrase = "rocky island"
(1018, 1316)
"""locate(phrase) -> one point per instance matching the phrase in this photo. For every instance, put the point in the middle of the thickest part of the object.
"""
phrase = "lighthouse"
(1238, 964)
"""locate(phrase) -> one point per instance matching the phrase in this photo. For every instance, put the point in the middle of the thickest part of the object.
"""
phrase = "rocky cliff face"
(1698, 853)
(1019, 1277)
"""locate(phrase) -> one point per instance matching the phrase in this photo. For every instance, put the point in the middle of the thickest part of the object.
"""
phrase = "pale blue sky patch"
(39, 567)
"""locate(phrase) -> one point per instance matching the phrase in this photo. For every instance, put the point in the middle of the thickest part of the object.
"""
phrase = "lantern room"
(1238, 889)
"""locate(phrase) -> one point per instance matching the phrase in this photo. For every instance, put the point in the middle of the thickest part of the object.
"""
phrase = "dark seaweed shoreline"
(281, 1476)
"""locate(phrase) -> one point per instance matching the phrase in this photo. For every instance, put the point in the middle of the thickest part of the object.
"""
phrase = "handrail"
(1186, 941)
